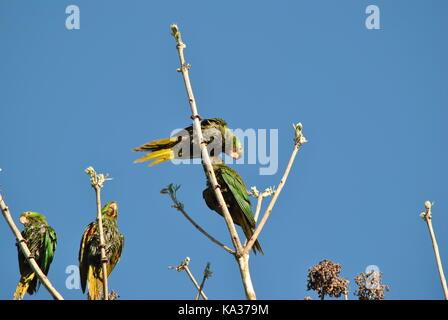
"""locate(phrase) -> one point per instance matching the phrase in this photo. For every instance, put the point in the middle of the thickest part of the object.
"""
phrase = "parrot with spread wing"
(90, 266)
(182, 145)
(41, 241)
(236, 197)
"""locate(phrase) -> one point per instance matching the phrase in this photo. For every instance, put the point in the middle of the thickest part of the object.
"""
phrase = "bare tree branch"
(427, 216)
(184, 267)
(260, 196)
(298, 142)
(97, 182)
(171, 190)
(258, 208)
(22, 245)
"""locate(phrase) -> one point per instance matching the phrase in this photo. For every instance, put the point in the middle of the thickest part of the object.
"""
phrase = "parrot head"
(110, 209)
(30, 217)
(233, 147)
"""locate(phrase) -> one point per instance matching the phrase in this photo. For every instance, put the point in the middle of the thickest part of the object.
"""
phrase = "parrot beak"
(234, 155)
(23, 219)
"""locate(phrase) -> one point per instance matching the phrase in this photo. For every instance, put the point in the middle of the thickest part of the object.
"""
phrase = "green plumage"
(90, 267)
(182, 145)
(236, 197)
(41, 241)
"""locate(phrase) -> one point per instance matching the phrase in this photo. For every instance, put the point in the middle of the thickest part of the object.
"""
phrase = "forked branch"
(184, 267)
(207, 274)
(260, 196)
(241, 252)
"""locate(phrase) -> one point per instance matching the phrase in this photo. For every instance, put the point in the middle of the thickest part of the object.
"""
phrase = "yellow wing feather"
(23, 285)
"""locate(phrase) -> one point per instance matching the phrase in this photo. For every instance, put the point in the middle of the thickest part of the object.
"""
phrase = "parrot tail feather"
(257, 247)
(23, 286)
(249, 232)
(158, 156)
(158, 144)
(95, 284)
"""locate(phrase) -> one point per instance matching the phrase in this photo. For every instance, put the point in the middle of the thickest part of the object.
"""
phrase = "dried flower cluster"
(370, 286)
(325, 280)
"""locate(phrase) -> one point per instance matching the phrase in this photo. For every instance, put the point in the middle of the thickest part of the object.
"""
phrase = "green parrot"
(41, 241)
(90, 267)
(236, 197)
(182, 145)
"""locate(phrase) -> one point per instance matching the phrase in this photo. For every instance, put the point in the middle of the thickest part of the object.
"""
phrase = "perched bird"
(236, 197)
(41, 241)
(90, 266)
(182, 145)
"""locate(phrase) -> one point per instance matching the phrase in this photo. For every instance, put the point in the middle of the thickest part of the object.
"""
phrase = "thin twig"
(427, 216)
(260, 196)
(258, 208)
(97, 182)
(207, 274)
(171, 190)
(31, 261)
(184, 267)
(298, 142)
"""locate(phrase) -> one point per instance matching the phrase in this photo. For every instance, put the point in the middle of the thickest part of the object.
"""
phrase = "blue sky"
(372, 102)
